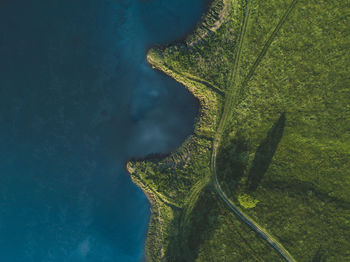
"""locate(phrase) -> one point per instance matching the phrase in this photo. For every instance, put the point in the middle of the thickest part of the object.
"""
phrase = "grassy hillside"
(273, 81)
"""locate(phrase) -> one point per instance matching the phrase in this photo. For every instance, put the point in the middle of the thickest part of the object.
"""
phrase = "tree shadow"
(198, 228)
(232, 161)
(265, 153)
(319, 256)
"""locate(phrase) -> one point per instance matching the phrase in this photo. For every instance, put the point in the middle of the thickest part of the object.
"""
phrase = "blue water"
(77, 99)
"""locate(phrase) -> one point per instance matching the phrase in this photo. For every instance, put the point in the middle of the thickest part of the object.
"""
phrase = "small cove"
(77, 99)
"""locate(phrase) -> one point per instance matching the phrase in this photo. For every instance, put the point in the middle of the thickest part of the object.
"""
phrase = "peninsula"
(265, 175)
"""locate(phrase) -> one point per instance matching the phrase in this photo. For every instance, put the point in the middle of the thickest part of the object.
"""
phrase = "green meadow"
(273, 81)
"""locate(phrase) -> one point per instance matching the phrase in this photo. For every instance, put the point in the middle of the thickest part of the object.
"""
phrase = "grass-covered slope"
(273, 81)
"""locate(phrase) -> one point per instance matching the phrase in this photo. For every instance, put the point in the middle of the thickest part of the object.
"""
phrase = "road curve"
(229, 101)
(238, 212)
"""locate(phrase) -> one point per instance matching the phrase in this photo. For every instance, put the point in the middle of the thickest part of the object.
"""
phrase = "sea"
(77, 100)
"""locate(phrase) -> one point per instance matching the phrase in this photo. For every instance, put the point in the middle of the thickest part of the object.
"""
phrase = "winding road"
(238, 212)
(231, 98)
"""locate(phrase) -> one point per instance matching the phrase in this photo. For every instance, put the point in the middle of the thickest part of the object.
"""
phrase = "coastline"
(154, 237)
(200, 230)
(155, 212)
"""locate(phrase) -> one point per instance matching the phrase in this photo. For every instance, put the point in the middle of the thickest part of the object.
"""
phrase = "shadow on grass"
(174, 251)
(265, 153)
(319, 256)
(232, 161)
(297, 188)
(198, 228)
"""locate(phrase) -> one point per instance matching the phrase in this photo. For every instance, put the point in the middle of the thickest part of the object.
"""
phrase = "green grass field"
(273, 82)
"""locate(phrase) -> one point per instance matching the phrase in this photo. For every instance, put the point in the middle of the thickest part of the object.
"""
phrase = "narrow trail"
(253, 225)
(208, 85)
(231, 98)
(269, 42)
(190, 200)
(201, 81)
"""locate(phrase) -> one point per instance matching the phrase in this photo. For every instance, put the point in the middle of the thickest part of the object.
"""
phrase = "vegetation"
(273, 83)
